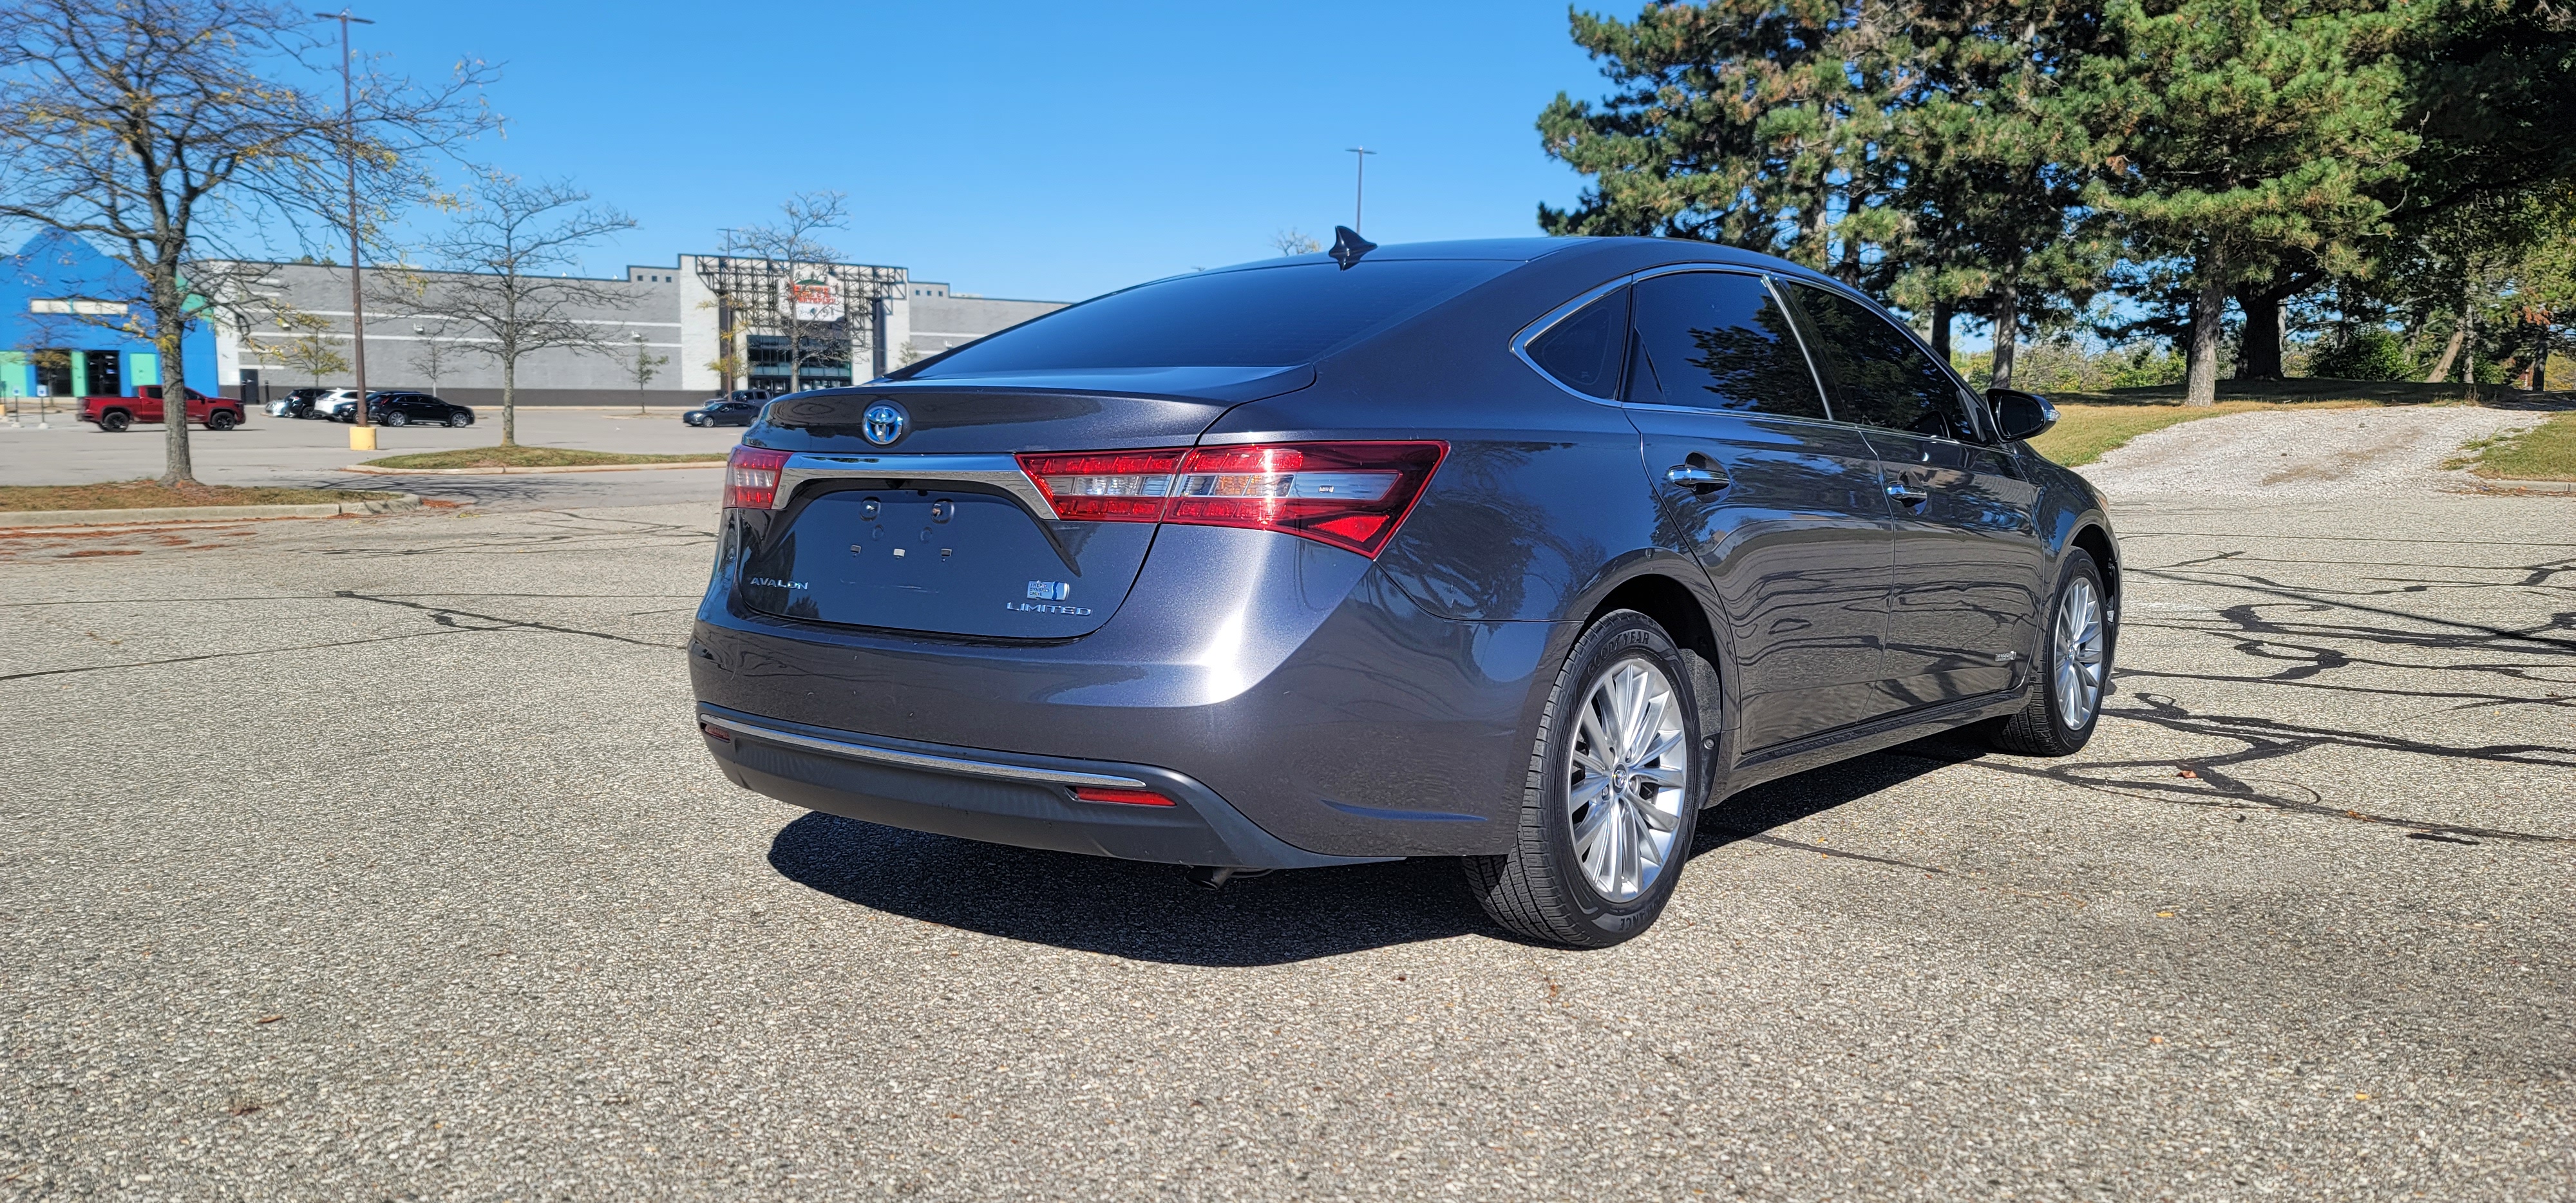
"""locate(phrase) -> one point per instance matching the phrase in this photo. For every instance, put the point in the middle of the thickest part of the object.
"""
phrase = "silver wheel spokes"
(1625, 780)
(2080, 642)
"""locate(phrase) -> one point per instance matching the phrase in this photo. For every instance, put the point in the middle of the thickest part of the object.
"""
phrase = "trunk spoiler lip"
(1232, 386)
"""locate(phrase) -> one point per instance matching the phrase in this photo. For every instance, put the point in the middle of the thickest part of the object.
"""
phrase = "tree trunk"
(1942, 314)
(2450, 352)
(2540, 362)
(510, 402)
(2463, 336)
(2007, 331)
(170, 322)
(2258, 354)
(2208, 312)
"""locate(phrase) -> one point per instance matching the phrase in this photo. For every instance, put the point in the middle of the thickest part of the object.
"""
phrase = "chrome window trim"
(872, 754)
(994, 471)
(1547, 321)
(1976, 401)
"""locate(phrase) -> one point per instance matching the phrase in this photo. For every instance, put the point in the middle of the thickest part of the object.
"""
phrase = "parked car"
(296, 404)
(1520, 552)
(336, 405)
(409, 409)
(723, 413)
(113, 414)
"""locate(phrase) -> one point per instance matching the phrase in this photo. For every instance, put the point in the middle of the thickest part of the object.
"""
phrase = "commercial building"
(654, 334)
(65, 311)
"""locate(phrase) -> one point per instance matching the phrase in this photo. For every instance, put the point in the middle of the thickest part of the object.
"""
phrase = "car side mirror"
(2020, 415)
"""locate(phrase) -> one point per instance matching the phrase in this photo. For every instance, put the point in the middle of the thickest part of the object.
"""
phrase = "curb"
(205, 513)
(2500, 484)
(370, 470)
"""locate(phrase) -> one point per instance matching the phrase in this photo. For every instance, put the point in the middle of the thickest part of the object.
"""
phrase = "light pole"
(1359, 187)
(362, 436)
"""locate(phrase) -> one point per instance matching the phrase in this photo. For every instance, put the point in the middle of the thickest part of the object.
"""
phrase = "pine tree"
(2244, 135)
(1764, 125)
(1998, 158)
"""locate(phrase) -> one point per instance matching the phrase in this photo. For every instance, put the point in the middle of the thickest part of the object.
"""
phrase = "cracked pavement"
(376, 858)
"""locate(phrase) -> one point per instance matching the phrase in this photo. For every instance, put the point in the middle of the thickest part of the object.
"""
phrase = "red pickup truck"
(113, 414)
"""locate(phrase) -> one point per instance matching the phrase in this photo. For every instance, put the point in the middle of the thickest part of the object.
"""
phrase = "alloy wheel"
(2081, 642)
(1626, 778)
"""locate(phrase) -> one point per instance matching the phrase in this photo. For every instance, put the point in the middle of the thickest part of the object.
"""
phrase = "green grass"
(152, 495)
(2092, 425)
(2546, 452)
(532, 457)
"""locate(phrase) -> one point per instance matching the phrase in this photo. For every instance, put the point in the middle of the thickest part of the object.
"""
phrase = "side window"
(1879, 376)
(1582, 352)
(1718, 340)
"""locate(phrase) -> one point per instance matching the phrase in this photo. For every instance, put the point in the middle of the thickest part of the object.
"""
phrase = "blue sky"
(1015, 149)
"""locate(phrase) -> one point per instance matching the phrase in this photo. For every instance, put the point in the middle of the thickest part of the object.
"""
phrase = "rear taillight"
(751, 478)
(1105, 486)
(1350, 495)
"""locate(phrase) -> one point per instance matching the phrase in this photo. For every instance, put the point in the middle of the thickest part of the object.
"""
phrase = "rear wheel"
(1612, 796)
(115, 420)
(2073, 672)
(397, 419)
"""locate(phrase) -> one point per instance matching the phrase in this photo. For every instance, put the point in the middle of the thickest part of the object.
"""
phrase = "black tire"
(397, 419)
(221, 420)
(115, 421)
(2042, 728)
(1541, 889)
(459, 420)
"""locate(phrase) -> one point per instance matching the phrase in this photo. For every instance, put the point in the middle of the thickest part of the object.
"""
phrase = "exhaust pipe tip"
(1212, 877)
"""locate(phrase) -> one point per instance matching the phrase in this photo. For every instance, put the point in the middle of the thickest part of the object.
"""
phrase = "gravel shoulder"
(376, 858)
(2376, 452)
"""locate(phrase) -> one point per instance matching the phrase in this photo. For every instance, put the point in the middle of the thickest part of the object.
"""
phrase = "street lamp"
(1359, 186)
(362, 437)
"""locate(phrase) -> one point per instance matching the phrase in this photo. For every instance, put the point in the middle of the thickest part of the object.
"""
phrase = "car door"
(1782, 505)
(1968, 553)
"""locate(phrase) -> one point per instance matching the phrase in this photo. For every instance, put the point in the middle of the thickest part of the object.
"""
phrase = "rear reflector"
(1123, 797)
(751, 478)
(1350, 495)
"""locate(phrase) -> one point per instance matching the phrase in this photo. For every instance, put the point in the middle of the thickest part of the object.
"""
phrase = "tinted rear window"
(1264, 317)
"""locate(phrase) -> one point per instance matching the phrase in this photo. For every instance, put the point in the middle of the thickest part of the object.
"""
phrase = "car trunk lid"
(938, 531)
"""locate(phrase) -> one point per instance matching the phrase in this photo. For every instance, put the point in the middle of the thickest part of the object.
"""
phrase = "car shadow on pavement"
(1152, 913)
(1750, 815)
(1130, 909)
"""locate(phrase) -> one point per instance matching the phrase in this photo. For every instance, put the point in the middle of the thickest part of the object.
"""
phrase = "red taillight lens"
(751, 478)
(1350, 495)
(1123, 797)
(1105, 486)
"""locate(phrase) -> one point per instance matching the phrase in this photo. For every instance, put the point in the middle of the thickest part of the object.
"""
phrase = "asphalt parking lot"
(309, 454)
(376, 858)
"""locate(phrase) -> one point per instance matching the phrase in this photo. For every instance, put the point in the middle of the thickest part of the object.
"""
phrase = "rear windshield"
(1264, 317)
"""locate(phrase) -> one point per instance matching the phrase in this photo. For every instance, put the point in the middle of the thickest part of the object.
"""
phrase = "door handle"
(1908, 494)
(1696, 479)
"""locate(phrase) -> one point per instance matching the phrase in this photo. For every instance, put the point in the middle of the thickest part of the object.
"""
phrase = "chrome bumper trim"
(919, 760)
(994, 471)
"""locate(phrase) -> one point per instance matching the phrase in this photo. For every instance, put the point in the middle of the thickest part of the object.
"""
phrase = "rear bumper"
(1281, 679)
(996, 797)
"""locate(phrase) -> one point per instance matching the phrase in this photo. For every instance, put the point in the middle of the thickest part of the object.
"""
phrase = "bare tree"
(304, 343)
(158, 127)
(1291, 242)
(781, 276)
(435, 353)
(508, 252)
(643, 368)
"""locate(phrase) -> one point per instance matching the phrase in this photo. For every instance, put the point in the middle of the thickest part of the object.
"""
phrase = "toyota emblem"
(883, 423)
